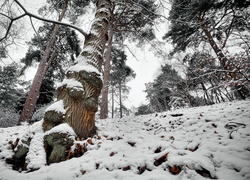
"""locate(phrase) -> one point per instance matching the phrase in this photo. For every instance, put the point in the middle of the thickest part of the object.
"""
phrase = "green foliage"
(169, 90)
(220, 17)
(8, 117)
(3, 52)
(159, 91)
(46, 92)
(31, 55)
(199, 66)
(46, 95)
(120, 72)
(212, 25)
(134, 20)
(66, 48)
(10, 85)
(76, 8)
(120, 75)
(143, 109)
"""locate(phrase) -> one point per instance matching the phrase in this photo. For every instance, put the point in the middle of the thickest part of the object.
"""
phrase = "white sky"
(145, 64)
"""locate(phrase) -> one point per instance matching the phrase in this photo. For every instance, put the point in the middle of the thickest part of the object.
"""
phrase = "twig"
(48, 20)
(160, 129)
(32, 24)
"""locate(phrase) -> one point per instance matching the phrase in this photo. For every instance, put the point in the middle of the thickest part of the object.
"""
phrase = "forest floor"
(209, 142)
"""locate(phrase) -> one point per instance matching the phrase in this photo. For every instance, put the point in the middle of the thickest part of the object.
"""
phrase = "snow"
(71, 83)
(62, 128)
(83, 65)
(36, 156)
(57, 106)
(213, 138)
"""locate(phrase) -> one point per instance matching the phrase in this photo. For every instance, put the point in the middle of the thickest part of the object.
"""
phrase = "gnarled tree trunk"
(80, 90)
(77, 100)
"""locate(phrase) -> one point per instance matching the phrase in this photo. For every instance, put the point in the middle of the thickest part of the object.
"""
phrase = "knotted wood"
(81, 104)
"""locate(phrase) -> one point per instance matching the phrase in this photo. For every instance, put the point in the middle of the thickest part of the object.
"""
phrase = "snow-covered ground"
(195, 143)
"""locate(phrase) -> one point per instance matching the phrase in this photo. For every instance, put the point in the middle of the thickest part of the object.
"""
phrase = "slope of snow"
(194, 143)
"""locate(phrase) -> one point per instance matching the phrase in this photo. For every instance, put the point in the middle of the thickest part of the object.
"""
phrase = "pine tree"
(81, 99)
(120, 75)
(10, 85)
(77, 99)
(46, 59)
(52, 50)
(132, 20)
(143, 109)
(194, 23)
(66, 46)
(169, 89)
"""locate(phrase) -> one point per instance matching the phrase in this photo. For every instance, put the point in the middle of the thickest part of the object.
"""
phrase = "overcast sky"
(145, 64)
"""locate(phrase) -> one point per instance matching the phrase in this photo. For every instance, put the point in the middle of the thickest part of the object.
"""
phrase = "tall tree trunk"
(105, 90)
(113, 102)
(222, 58)
(207, 99)
(33, 95)
(120, 98)
(79, 92)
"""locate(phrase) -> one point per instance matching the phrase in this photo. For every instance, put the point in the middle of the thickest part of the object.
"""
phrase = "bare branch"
(228, 31)
(51, 21)
(27, 13)
(131, 52)
(10, 24)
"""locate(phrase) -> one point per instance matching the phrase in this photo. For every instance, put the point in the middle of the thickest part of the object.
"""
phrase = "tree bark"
(106, 75)
(222, 58)
(208, 100)
(33, 95)
(113, 102)
(81, 88)
(242, 90)
(120, 99)
(77, 100)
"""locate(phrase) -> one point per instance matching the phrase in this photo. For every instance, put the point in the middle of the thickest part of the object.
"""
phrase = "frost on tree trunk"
(77, 100)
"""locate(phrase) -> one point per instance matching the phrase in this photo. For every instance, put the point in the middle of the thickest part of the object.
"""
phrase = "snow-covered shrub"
(39, 113)
(8, 117)
(177, 102)
(143, 109)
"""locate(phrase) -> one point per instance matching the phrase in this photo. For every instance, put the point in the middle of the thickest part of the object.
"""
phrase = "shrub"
(8, 117)
(39, 113)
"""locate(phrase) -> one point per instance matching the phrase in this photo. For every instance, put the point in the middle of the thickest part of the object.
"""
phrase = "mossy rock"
(52, 119)
(18, 160)
(56, 145)
(54, 116)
